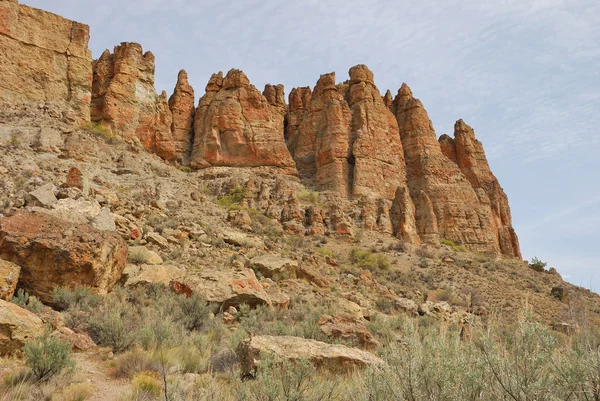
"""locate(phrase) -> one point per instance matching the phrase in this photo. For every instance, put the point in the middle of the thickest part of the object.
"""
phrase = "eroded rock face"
(54, 253)
(471, 159)
(124, 98)
(235, 125)
(9, 276)
(44, 59)
(17, 327)
(347, 140)
(447, 206)
(336, 358)
(182, 108)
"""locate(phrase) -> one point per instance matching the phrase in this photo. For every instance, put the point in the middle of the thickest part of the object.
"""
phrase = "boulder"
(348, 328)
(237, 238)
(335, 358)
(17, 326)
(44, 196)
(9, 276)
(55, 253)
(81, 211)
(274, 267)
(229, 287)
(78, 341)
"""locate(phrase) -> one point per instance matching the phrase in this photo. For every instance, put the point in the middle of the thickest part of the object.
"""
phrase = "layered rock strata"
(44, 61)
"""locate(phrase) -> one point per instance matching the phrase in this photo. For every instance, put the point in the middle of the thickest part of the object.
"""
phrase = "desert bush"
(233, 198)
(366, 259)
(138, 256)
(47, 356)
(75, 392)
(146, 384)
(133, 362)
(79, 298)
(26, 301)
(192, 312)
(115, 324)
(100, 131)
(309, 196)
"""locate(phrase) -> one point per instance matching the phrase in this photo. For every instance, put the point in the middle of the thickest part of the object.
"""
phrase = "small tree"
(537, 265)
(47, 356)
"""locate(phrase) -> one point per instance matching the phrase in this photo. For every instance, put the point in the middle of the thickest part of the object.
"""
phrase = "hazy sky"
(525, 74)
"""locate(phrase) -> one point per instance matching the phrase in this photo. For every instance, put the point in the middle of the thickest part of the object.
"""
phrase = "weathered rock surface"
(9, 277)
(144, 275)
(468, 153)
(182, 105)
(124, 98)
(235, 125)
(229, 287)
(44, 59)
(447, 207)
(55, 253)
(336, 358)
(348, 328)
(347, 140)
(17, 326)
(274, 267)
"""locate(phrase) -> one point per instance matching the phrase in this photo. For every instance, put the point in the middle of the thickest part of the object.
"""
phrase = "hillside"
(205, 247)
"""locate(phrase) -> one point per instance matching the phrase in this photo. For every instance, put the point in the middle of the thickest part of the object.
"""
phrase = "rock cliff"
(44, 61)
(235, 125)
(375, 159)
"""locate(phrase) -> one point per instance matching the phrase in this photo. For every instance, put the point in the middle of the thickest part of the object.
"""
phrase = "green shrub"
(366, 259)
(100, 131)
(131, 363)
(309, 196)
(47, 356)
(192, 312)
(26, 301)
(233, 198)
(537, 265)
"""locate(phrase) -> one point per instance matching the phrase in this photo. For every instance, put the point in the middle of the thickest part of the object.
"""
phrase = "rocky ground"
(233, 237)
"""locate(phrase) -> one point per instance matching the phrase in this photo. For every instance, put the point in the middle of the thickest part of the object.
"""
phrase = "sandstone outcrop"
(44, 60)
(335, 358)
(447, 207)
(183, 108)
(345, 139)
(124, 99)
(54, 253)
(235, 125)
(466, 151)
(17, 327)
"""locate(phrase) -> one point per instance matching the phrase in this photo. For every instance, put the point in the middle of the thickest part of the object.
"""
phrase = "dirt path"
(95, 370)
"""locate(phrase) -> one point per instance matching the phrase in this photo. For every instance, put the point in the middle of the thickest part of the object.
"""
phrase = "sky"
(525, 74)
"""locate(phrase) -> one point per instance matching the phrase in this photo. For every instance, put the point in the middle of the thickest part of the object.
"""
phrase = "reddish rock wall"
(235, 125)
(44, 60)
(345, 138)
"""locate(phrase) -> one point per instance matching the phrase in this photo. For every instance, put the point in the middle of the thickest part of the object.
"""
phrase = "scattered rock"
(157, 239)
(145, 275)
(145, 255)
(558, 292)
(78, 341)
